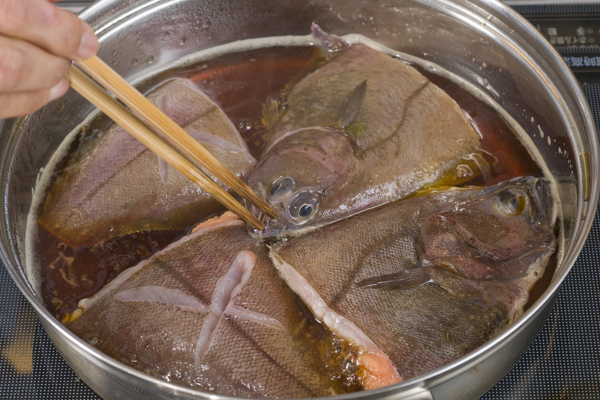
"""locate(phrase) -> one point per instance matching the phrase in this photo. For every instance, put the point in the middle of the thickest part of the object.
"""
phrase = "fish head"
(295, 177)
(502, 232)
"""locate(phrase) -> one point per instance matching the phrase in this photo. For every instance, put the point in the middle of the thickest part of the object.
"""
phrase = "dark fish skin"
(117, 186)
(363, 130)
(189, 316)
(430, 278)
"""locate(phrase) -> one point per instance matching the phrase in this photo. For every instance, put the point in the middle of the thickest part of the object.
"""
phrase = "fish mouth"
(545, 207)
(262, 217)
(274, 231)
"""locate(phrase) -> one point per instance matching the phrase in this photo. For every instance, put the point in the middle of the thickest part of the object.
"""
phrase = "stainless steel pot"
(482, 41)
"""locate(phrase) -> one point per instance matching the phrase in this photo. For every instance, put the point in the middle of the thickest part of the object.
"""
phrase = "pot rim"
(474, 9)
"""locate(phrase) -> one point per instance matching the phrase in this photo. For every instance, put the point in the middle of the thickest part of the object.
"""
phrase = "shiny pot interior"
(482, 41)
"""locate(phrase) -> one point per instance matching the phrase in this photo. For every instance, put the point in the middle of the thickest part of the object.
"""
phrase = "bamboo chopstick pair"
(180, 140)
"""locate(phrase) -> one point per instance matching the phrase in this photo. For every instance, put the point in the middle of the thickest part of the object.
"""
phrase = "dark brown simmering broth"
(240, 83)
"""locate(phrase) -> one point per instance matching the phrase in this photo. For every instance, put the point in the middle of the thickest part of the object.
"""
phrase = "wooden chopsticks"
(162, 123)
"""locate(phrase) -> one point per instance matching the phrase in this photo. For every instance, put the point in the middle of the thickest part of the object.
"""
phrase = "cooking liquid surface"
(241, 83)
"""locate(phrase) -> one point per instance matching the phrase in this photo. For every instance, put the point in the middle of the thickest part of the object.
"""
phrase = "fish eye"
(304, 206)
(511, 202)
(282, 187)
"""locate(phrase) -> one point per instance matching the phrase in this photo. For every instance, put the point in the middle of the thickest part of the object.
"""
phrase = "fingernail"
(58, 90)
(88, 46)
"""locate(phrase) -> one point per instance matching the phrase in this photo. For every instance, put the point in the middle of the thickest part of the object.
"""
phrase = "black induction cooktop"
(562, 363)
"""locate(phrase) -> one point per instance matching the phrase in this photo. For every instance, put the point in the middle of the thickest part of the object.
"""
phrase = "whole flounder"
(363, 130)
(210, 312)
(430, 278)
(117, 186)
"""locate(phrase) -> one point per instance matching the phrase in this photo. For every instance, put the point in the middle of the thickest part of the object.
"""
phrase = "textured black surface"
(562, 363)
(30, 366)
(553, 9)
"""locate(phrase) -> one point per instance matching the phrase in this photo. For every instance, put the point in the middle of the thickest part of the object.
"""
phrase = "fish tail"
(329, 42)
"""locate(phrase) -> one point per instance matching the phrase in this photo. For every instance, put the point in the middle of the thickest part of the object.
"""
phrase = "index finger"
(44, 24)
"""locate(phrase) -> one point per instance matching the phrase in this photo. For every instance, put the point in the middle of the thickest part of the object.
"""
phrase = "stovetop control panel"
(574, 31)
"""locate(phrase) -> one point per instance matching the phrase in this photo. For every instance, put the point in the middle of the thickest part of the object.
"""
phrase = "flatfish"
(116, 186)
(211, 312)
(362, 130)
(430, 278)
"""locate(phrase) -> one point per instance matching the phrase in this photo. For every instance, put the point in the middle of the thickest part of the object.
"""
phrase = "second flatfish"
(360, 131)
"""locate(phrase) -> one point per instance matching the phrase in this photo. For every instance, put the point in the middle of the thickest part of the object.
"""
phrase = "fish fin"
(270, 113)
(329, 42)
(163, 170)
(225, 218)
(352, 104)
(163, 295)
(402, 280)
(355, 131)
(163, 103)
(212, 139)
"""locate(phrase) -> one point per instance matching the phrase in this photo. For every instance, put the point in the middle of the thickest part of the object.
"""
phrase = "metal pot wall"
(482, 41)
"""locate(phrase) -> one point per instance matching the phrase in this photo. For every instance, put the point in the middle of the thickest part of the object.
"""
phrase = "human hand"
(38, 40)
